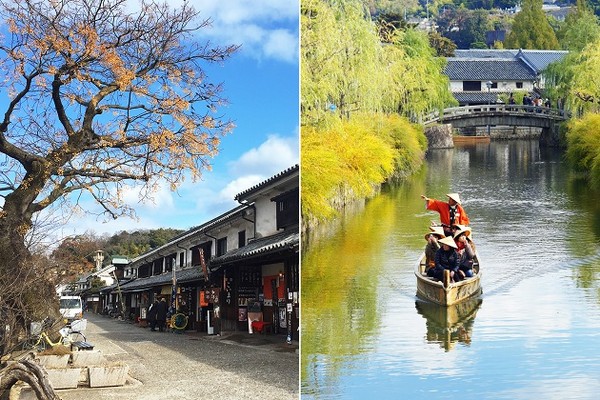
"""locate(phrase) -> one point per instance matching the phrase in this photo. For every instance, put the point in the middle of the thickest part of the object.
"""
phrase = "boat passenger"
(451, 212)
(436, 233)
(445, 258)
(457, 231)
(466, 251)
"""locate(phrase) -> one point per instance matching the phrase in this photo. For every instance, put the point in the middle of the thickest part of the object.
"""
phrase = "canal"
(533, 333)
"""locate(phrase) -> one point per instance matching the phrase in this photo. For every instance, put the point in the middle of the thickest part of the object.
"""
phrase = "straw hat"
(454, 196)
(462, 229)
(448, 241)
(436, 230)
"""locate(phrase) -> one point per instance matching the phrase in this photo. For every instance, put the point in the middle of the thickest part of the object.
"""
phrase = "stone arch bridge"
(548, 119)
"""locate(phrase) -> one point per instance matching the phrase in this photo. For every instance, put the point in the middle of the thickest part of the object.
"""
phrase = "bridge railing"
(494, 109)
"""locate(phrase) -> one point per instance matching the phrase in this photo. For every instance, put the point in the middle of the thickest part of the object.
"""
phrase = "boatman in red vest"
(451, 213)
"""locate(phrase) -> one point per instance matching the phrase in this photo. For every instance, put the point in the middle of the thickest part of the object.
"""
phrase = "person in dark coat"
(161, 314)
(445, 258)
(151, 317)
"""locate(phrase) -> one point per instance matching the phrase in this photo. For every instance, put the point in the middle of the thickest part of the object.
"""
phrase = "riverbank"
(346, 161)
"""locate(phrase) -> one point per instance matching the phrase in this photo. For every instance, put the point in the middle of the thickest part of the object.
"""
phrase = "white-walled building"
(243, 260)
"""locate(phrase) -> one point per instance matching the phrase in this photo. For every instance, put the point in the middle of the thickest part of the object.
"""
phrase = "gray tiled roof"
(485, 53)
(229, 215)
(540, 59)
(536, 59)
(483, 69)
(476, 97)
(286, 240)
(185, 275)
(255, 188)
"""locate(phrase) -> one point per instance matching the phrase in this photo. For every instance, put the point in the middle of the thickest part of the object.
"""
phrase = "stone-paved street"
(192, 366)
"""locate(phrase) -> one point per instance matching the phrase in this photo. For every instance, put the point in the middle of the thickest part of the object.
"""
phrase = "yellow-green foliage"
(350, 158)
(407, 140)
(583, 146)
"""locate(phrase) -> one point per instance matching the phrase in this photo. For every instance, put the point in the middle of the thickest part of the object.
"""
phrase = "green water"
(534, 332)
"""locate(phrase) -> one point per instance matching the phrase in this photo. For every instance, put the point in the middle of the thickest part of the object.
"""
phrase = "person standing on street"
(161, 314)
(152, 311)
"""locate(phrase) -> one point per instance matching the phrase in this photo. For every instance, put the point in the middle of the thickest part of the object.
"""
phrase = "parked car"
(71, 308)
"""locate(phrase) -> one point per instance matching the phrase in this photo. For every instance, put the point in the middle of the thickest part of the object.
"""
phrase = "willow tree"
(531, 29)
(415, 84)
(349, 65)
(573, 77)
(340, 51)
(584, 90)
(96, 97)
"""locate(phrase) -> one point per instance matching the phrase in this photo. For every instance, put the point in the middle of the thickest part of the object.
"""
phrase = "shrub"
(345, 160)
(583, 146)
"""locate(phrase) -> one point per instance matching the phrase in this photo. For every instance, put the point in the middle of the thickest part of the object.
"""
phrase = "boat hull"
(453, 293)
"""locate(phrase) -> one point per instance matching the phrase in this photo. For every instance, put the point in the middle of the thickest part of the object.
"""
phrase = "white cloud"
(281, 44)
(265, 29)
(239, 185)
(242, 11)
(274, 155)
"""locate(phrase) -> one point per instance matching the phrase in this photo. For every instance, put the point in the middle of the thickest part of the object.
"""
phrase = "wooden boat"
(449, 325)
(457, 139)
(446, 292)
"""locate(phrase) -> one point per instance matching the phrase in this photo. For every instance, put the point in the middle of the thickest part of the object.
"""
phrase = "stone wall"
(439, 136)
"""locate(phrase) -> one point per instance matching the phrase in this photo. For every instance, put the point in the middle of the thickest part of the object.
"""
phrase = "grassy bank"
(348, 160)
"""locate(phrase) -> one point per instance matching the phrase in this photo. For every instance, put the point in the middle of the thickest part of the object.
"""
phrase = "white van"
(71, 308)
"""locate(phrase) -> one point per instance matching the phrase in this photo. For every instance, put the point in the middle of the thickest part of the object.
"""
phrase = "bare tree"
(99, 97)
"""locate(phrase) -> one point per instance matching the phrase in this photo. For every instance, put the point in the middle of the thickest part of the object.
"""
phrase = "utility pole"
(489, 87)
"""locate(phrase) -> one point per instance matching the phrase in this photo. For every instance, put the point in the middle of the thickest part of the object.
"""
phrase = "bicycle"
(42, 340)
(179, 321)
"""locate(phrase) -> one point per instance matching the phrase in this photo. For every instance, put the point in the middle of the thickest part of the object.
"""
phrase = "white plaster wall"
(456, 86)
(266, 221)
(503, 86)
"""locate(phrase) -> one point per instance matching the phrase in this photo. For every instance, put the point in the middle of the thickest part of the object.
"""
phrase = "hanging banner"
(173, 292)
(203, 264)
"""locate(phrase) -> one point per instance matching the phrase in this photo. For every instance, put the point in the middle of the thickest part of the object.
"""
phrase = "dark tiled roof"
(483, 69)
(476, 97)
(485, 53)
(540, 59)
(185, 275)
(256, 188)
(286, 240)
(229, 215)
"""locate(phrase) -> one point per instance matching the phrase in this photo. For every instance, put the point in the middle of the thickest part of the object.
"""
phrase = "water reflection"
(537, 232)
(448, 326)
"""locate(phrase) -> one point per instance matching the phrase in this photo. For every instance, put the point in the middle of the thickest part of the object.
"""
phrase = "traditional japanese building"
(239, 267)
(503, 70)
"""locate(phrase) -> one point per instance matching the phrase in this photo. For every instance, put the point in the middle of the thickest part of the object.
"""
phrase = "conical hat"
(462, 229)
(448, 241)
(436, 230)
(454, 196)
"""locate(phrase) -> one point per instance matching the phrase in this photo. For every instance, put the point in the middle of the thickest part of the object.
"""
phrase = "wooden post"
(446, 278)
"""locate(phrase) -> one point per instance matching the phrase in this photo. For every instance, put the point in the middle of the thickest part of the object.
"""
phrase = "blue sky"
(262, 87)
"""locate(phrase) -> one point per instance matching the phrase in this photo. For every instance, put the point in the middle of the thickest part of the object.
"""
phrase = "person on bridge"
(451, 213)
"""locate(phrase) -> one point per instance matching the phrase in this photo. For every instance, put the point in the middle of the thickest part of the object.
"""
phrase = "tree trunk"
(17, 278)
(29, 372)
